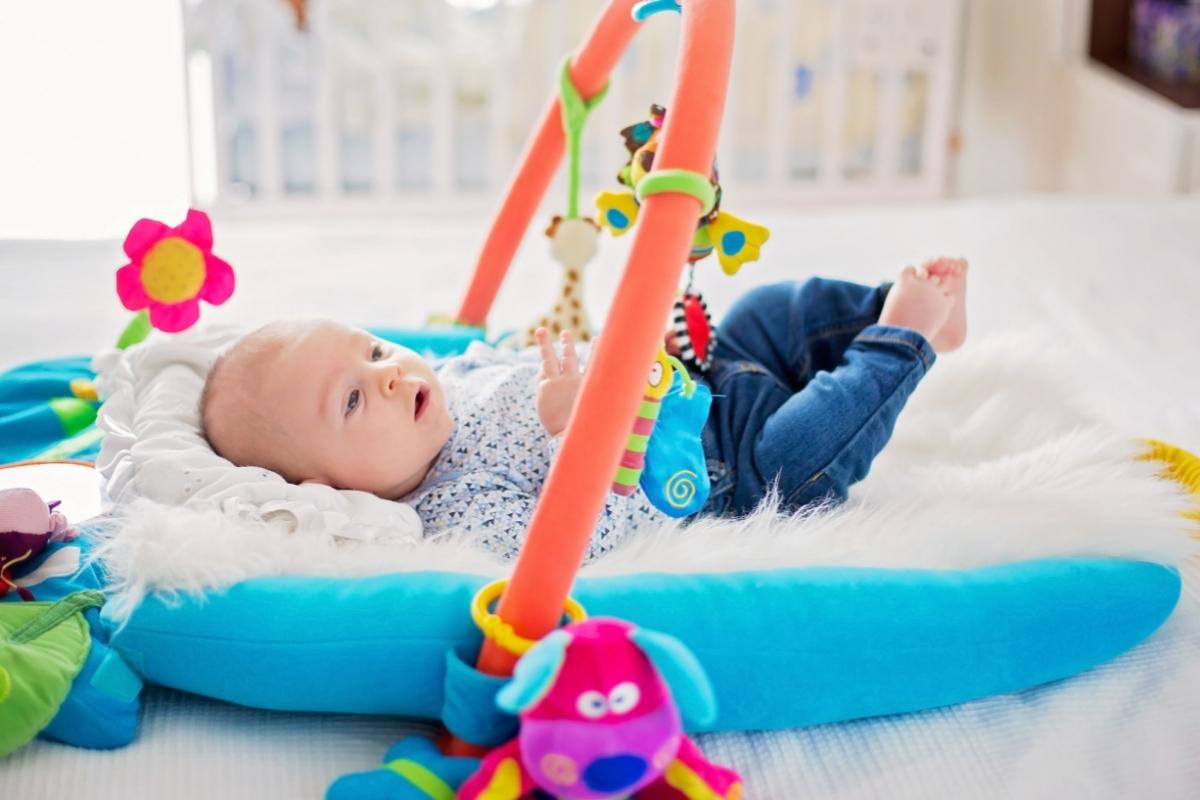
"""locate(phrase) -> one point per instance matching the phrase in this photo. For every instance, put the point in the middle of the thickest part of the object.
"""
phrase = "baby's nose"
(390, 378)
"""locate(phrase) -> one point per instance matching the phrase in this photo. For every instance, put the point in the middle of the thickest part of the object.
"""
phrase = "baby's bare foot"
(951, 275)
(918, 303)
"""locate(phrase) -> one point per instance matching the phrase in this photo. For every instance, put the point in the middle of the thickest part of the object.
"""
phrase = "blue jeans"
(806, 391)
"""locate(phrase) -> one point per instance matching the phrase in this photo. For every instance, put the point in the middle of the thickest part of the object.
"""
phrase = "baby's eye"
(352, 401)
(376, 352)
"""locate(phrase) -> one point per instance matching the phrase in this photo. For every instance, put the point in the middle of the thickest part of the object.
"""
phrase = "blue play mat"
(784, 648)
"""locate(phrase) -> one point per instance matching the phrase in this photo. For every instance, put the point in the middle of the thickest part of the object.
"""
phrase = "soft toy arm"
(501, 776)
(691, 776)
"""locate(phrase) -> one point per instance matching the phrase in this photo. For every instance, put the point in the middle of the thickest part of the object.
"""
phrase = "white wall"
(1017, 59)
(92, 122)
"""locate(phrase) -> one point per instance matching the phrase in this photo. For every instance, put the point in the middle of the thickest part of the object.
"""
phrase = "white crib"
(429, 102)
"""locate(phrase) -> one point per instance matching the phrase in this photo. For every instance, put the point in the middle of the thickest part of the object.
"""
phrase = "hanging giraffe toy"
(572, 244)
(573, 239)
(735, 240)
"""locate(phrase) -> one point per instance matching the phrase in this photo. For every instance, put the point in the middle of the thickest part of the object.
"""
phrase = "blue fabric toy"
(413, 769)
(675, 477)
(101, 709)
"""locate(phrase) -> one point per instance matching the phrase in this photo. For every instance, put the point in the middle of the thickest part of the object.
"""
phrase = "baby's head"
(321, 402)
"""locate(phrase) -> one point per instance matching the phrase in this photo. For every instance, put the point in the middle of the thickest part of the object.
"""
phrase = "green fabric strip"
(575, 112)
(421, 777)
(80, 601)
(73, 413)
(678, 180)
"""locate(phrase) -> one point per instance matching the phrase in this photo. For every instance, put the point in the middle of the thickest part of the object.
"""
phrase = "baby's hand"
(558, 382)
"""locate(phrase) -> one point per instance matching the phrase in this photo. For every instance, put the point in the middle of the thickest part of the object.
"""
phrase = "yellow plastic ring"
(500, 631)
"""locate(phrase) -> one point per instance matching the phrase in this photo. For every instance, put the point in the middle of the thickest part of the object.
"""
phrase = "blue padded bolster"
(783, 648)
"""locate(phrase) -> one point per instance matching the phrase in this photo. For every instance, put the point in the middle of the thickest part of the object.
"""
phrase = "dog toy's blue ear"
(534, 673)
(690, 687)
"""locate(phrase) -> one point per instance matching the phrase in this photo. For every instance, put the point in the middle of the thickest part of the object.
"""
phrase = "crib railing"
(429, 102)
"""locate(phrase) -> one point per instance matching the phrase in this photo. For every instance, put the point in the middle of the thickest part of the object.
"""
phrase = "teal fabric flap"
(114, 678)
(469, 710)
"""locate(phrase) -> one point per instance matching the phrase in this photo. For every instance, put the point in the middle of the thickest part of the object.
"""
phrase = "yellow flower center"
(173, 271)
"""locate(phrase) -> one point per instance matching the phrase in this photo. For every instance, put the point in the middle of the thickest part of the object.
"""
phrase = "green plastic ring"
(678, 180)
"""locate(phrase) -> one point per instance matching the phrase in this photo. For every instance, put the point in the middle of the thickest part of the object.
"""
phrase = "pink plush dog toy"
(27, 525)
(597, 702)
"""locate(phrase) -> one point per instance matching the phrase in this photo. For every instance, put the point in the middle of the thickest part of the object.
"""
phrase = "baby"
(808, 379)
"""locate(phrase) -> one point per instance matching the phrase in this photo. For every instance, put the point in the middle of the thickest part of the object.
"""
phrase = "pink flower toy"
(170, 271)
(597, 703)
(27, 525)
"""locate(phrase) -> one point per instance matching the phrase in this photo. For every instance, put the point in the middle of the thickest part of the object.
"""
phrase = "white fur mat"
(997, 458)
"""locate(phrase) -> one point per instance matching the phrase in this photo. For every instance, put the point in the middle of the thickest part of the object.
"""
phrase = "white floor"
(1117, 281)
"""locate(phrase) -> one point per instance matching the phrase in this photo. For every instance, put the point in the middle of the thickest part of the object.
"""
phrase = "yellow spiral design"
(681, 488)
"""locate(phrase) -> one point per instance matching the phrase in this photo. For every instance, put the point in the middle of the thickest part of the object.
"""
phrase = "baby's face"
(363, 413)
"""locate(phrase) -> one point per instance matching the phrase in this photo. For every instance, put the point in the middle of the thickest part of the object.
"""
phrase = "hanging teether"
(693, 328)
(573, 239)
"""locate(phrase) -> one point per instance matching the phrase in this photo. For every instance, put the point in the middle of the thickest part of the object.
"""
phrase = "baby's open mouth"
(421, 403)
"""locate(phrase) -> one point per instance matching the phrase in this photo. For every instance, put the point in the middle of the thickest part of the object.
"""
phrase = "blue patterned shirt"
(486, 479)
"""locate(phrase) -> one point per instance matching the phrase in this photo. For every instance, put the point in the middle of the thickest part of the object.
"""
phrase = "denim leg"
(823, 438)
(795, 329)
(745, 395)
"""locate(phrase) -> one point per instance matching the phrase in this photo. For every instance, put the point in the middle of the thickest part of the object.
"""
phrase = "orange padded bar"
(579, 480)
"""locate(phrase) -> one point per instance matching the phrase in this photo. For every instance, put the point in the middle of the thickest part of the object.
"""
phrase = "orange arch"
(575, 489)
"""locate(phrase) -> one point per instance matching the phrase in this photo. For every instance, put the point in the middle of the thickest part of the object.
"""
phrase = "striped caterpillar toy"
(633, 460)
(664, 454)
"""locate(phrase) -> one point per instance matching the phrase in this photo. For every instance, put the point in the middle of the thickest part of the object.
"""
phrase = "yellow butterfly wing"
(736, 241)
(618, 211)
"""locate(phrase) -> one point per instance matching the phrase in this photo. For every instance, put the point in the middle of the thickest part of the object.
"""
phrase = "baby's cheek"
(360, 462)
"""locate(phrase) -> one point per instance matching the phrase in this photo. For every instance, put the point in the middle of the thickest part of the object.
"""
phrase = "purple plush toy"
(27, 525)
(597, 701)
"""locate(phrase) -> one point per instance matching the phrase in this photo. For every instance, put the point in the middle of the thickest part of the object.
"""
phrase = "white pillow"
(153, 448)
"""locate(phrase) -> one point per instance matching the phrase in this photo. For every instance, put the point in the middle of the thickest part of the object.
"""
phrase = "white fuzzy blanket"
(1000, 456)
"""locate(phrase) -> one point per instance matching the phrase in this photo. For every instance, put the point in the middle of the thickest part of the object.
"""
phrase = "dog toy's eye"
(624, 697)
(591, 704)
